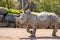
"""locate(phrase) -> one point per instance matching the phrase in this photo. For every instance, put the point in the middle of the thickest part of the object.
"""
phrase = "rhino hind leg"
(54, 31)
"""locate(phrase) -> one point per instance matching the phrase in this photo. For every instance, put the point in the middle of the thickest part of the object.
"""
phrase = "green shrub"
(14, 11)
(4, 7)
(35, 13)
(59, 18)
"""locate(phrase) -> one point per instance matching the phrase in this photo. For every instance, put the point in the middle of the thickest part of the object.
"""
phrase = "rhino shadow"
(35, 38)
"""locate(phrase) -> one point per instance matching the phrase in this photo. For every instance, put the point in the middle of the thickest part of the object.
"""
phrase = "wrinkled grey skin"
(18, 25)
(42, 20)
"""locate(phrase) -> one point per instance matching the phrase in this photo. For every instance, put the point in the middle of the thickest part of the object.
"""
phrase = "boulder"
(3, 11)
(10, 17)
(4, 24)
(1, 17)
(12, 25)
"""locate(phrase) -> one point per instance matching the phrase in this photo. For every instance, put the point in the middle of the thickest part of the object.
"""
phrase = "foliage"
(8, 3)
(48, 5)
(41, 5)
(13, 11)
(35, 13)
(59, 18)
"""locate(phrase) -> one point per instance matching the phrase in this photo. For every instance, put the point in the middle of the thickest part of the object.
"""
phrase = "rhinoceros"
(18, 23)
(41, 20)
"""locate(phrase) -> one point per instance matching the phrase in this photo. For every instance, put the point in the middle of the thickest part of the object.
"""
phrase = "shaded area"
(35, 38)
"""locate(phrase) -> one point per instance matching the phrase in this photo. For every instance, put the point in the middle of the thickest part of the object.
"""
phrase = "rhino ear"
(27, 11)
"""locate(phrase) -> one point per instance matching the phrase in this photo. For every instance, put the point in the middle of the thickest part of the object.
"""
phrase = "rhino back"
(46, 19)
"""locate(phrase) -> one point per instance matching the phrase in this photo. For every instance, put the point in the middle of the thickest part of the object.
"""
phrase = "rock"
(12, 25)
(10, 18)
(1, 17)
(3, 10)
(4, 24)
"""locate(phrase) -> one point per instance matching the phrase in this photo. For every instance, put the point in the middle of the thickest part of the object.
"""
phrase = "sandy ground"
(21, 34)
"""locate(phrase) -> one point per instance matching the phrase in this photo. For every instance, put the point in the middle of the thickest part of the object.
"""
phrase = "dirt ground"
(21, 34)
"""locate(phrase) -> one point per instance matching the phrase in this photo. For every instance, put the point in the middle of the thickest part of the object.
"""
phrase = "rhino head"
(23, 19)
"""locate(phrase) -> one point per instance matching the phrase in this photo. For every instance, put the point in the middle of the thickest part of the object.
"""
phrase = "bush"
(35, 13)
(14, 11)
(59, 18)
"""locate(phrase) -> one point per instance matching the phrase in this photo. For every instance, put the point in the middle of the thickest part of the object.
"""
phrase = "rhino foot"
(54, 35)
(31, 31)
(32, 36)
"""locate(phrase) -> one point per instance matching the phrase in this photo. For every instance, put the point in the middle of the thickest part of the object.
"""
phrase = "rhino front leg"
(28, 29)
(54, 31)
(33, 32)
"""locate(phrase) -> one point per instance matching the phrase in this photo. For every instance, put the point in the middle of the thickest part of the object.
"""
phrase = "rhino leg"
(28, 29)
(17, 25)
(54, 31)
(33, 32)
